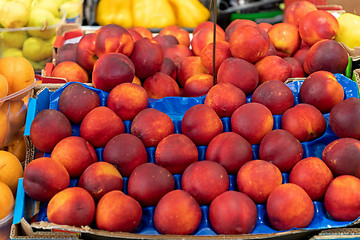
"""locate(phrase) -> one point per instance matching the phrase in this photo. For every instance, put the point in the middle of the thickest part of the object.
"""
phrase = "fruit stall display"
(258, 143)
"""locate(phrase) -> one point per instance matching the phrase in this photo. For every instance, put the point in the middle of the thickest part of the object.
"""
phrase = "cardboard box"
(30, 216)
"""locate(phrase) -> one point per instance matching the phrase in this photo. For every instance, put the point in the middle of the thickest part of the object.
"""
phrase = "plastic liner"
(176, 107)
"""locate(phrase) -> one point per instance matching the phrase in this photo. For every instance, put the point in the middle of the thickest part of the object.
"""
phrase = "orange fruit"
(10, 170)
(4, 129)
(16, 112)
(7, 201)
(4, 87)
(17, 147)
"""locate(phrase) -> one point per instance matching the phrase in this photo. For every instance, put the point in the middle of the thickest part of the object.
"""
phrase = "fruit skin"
(178, 213)
(235, 25)
(147, 57)
(188, 67)
(198, 85)
(289, 206)
(275, 95)
(249, 43)
(252, 121)
(179, 33)
(126, 152)
(295, 11)
(175, 152)
(233, 213)
(113, 38)
(166, 40)
(127, 100)
(44, 177)
(72, 206)
(313, 175)
(225, 98)
(86, 100)
(342, 156)
(100, 125)
(273, 68)
(7, 201)
(222, 52)
(318, 25)
(168, 67)
(285, 38)
(112, 69)
(297, 70)
(48, 128)
(322, 90)
(151, 125)
(201, 123)
(100, 178)
(321, 57)
(177, 53)
(161, 85)
(74, 147)
(86, 51)
(71, 71)
(66, 52)
(346, 207)
(149, 182)
(348, 30)
(204, 180)
(240, 73)
(343, 116)
(203, 37)
(230, 150)
(257, 179)
(304, 121)
(10, 170)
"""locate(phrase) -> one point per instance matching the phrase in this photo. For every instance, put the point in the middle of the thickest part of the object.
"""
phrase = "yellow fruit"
(349, 32)
(7, 201)
(17, 147)
(16, 112)
(5, 129)
(4, 88)
(10, 170)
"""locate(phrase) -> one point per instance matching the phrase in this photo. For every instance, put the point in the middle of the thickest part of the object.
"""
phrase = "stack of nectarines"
(243, 147)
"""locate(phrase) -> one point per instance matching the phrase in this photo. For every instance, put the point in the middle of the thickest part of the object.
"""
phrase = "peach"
(151, 125)
(321, 57)
(147, 57)
(300, 55)
(175, 152)
(188, 67)
(272, 149)
(16, 115)
(127, 100)
(100, 125)
(161, 85)
(11, 170)
(205, 180)
(72, 206)
(179, 33)
(295, 11)
(250, 43)
(297, 70)
(66, 52)
(342, 156)
(134, 34)
(169, 68)
(222, 52)
(86, 100)
(346, 207)
(201, 124)
(322, 90)
(275, 95)
(177, 213)
(257, 179)
(111, 70)
(44, 177)
(198, 85)
(240, 73)
(149, 182)
(289, 206)
(71, 71)
(71, 148)
(126, 152)
(48, 128)
(100, 178)
(265, 26)
(233, 213)
(166, 40)
(273, 68)
(143, 31)
(304, 121)
(230, 150)
(207, 24)
(7, 203)
(252, 121)
(113, 38)
(177, 53)
(85, 51)
(136, 80)
(285, 38)
(272, 51)
(236, 24)
(225, 98)
(117, 211)
(343, 116)
(313, 175)
(205, 36)
(318, 25)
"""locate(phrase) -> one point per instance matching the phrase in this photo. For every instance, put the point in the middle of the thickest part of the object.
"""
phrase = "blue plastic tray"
(176, 107)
